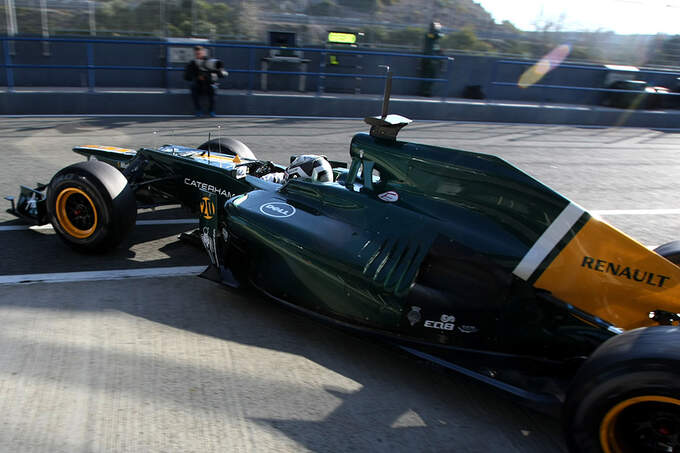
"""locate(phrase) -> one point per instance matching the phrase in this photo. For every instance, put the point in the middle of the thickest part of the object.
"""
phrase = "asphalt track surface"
(182, 364)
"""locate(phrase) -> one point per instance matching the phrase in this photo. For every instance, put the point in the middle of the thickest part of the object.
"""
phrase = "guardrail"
(498, 63)
(91, 67)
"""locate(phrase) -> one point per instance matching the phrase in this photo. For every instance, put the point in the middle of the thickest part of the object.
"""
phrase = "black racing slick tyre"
(91, 206)
(670, 251)
(228, 146)
(626, 396)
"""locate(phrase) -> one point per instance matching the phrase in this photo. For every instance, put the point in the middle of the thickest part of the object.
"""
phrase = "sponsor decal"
(207, 208)
(447, 318)
(439, 325)
(277, 209)
(390, 196)
(619, 270)
(413, 315)
(241, 172)
(467, 329)
(209, 243)
(446, 322)
(207, 187)
(32, 205)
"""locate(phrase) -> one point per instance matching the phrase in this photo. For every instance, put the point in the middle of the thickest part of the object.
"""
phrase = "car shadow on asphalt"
(320, 387)
(28, 251)
(402, 404)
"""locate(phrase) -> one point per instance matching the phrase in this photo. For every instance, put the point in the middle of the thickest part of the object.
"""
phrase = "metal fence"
(91, 67)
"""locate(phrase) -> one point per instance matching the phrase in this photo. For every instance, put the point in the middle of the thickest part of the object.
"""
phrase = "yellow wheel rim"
(69, 203)
(609, 440)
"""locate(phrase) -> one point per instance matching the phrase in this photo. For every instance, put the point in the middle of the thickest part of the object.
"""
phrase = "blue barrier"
(91, 67)
(580, 66)
(498, 63)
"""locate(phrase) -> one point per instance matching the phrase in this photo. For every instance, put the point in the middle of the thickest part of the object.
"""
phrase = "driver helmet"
(310, 166)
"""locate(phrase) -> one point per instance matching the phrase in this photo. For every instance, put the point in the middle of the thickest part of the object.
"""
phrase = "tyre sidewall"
(229, 146)
(670, 251)
(640, 362)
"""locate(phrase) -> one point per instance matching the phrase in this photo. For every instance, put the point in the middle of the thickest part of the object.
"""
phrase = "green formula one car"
(456, 257)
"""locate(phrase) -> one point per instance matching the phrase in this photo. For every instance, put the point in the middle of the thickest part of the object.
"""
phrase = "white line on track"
(192, 117)
(25, 227)
(139, 223)
(609, 212)
(166, 222)
(102, 115)
(114, 274)
(600, 212)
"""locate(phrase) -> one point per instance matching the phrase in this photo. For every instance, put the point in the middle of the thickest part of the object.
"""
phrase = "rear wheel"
(228, 146)
(644, 423)
(91, 206)
(626, 397)
(670, 251)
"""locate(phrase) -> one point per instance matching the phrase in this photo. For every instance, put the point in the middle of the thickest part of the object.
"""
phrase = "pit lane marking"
(138, 223)
(113, 274)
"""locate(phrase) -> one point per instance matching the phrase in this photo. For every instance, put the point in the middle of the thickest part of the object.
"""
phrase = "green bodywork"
(178, 174)
(447, 246)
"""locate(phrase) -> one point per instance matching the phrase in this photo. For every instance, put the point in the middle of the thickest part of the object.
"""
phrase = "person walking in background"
(429, 68)
(203, 73)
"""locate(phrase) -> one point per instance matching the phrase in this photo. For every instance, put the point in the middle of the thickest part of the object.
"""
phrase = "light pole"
(163, 31)
(44, 26)
(93, 24)
(11, 23)
(193, 17)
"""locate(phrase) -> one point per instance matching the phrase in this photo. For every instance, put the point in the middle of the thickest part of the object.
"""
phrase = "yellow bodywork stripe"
(235, 159)
(109, 148)
(605, 273)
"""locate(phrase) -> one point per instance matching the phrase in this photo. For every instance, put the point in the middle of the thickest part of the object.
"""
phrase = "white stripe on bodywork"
(548, 240)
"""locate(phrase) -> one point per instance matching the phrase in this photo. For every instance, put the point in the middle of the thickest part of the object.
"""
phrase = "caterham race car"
(458, 258)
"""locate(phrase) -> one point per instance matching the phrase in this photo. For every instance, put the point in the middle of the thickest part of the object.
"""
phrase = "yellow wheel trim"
(63, 219)
(608, 440)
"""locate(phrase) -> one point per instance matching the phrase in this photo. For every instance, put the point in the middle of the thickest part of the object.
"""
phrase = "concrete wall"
(235, 103)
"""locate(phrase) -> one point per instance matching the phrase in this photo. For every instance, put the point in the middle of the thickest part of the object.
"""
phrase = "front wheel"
(626, 397)
(91, 206)
(229, 146)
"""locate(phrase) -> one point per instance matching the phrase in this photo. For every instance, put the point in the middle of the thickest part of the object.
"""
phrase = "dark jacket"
(195, 72)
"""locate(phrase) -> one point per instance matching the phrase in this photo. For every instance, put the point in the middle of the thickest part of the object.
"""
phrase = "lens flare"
(546, 64)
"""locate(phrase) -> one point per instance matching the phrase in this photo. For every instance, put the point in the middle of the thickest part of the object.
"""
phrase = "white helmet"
(310, 166)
